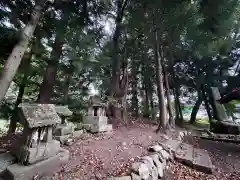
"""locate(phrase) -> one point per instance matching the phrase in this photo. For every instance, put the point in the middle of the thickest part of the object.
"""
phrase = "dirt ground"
(96, 157)
(101, 156)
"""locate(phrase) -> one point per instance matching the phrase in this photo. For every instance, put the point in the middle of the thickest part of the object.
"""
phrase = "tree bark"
(206, 103)
(153, 115)
(46, 88)
(134, 90)
(146, 102)
(13, 121)
(12, 63)
(160, 90)
(179, 114)
(66, 87)
(169, 106)
(196, 108)
(116, 90)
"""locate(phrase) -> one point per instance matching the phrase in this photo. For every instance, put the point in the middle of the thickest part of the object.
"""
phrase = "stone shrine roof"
(63, 110)
(95, 101)
(38, 115)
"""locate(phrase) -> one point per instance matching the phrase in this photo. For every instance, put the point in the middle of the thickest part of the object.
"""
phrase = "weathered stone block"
(171, 144)
(155, 148)
(78, 133)
(95, 120)
(63, 139)
(41, 152)
(45, 167)
(99, 128)
(202, 161)
(121, 178)
(6, 159)
(88, 127)
(148, 161)
(79, 126)
(154, 173)
(184, 154)
(141, 169)
(159, 165)
(63, 129)
(165, 154)
(135, 176)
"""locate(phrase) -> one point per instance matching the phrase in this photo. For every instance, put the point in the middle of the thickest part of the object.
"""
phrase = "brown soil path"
(101, 156)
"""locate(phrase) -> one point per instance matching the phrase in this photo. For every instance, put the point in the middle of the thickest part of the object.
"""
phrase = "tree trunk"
(160, 90)
(153, 114)
(116, 64)
(14, 118)
(208, 109)
(134, 83)
(146, 86)
(12, 63)
(169, 106)
(196, 108)
(118, 86)
(146, 113)
(179, 116)
(46, 88)
(66, 87)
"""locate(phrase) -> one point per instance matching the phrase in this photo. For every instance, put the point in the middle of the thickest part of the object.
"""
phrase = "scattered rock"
(121, 178)
(135, 176)
(171, 144)
(6, 159)
(165, 154)
(68, 142)
(202, 161)
(147, 160)
(154, 173)
(155, 159)
(184, 154)
(141, 169)
(78, 133)
(155, 148)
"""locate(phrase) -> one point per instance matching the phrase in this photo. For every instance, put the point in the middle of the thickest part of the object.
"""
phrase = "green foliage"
(198, 40)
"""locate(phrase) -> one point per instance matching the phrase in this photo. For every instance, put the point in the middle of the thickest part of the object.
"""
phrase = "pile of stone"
(65, 131)
(153, 166)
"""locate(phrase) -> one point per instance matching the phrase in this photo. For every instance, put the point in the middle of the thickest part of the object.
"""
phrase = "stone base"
(45, 167)
(99, 128)
(6, 159)
(96, 128)
(63, 129)
(63, 139)
(78, 133)
(42, 151)
(98, 120)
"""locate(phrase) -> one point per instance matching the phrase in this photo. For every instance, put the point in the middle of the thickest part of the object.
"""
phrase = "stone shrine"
(64, 130)
(36, 152)
(96, 120)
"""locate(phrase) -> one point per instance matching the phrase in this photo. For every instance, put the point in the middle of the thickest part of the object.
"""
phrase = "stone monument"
(222, 124)
(36, 152)
(64, 130)
(96, 119)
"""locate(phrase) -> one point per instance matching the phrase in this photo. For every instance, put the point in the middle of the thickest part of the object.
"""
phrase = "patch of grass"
(202, 123)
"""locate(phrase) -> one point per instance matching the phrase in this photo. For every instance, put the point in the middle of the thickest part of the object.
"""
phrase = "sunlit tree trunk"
(169, 106)
(12, 63)
(13, 120)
